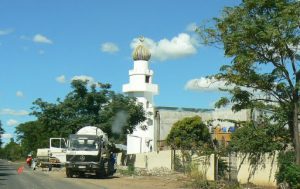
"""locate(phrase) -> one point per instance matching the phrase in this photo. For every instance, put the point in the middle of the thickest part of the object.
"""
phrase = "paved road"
(28, 179)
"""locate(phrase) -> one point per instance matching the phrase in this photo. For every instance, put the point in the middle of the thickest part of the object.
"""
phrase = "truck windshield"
(83, 143)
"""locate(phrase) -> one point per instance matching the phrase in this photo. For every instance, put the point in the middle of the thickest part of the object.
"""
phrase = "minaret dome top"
(141, 52)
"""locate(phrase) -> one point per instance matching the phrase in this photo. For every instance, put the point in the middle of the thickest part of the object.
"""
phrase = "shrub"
(222, 168)
(288, 172)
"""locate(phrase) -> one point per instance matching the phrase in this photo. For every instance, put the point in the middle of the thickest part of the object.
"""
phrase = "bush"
(222, 168)
(198, 180)
(288, 172)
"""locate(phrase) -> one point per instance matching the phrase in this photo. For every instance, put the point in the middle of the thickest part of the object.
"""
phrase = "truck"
(89, 152)
(54, 156)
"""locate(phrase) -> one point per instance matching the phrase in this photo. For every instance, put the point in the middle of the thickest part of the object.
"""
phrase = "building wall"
(223, 114)
(167, 117)
(163, 119)
(242, 115)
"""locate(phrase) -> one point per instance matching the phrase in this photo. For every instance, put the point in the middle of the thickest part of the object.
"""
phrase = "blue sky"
(44, 44)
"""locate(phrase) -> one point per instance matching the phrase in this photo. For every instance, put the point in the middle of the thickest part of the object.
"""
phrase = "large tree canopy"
(262, 38)
(96, 105)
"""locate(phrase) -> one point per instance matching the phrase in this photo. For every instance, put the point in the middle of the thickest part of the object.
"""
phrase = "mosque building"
(151, 134)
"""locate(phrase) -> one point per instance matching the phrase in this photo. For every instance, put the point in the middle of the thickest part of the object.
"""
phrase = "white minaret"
(140, 86)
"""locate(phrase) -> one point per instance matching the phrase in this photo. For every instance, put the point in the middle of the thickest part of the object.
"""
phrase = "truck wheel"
(69, 173)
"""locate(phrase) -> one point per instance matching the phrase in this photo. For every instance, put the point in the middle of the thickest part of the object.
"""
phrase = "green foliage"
(222, 102)
(123, 115)
(198, 181)
(12, 151)
(178, 164)
(288, 171)
(262, 39)
(223, 168)
(95, 105)
(29, 133)
(189, 134)
(257, 139)
(129, 171)
(252, 138)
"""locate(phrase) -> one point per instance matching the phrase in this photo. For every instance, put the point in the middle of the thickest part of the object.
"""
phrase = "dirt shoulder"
(119, 181)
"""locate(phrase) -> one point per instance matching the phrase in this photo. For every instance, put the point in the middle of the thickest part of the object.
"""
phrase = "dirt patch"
(127, 182)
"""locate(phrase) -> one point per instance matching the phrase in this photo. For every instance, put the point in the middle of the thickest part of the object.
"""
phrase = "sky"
(46, 44)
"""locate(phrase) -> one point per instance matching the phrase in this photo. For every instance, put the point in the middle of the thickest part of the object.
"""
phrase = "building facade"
(152, 133)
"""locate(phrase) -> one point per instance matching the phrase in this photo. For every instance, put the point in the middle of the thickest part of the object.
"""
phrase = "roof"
(180, 109)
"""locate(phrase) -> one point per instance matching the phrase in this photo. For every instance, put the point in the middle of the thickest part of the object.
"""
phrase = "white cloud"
(6, 31)
(38, 38)
(61, 79)
(8, 111)
(109, 47)
(84, 78)
(12, 122)
(213, 85)
(179, 46)
(191, 27)
(206, 84)
(19, 94)
(6, 136)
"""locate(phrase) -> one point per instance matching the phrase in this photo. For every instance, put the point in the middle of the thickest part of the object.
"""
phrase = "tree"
(85, 105)
(262, 38)
(257, 140)
(189, 134)
(12, 151)
(32, 136)
(1, 133)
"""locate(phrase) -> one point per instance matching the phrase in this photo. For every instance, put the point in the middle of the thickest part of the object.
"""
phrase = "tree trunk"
(296, 133)
(295, 117)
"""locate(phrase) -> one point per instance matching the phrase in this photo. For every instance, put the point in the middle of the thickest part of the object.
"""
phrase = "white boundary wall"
(262, 175)
(165, 159)
(151, 160)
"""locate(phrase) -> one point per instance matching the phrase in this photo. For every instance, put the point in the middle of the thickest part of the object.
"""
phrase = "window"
(147, 79)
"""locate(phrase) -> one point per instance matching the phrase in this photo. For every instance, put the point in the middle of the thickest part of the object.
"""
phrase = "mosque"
(151, 134)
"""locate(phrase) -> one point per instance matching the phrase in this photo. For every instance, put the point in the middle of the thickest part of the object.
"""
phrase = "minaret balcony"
(140, 72)
(145, 87)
